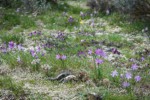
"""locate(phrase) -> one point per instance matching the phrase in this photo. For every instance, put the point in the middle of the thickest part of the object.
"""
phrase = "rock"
(106, 82)
(60, 76)
(69, 78)
(94, 96)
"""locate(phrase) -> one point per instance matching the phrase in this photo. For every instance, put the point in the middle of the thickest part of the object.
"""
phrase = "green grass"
(11, 59)
(119, 97)
(38, 96)
(6, 83)
(27, 22)
(9, 20)
(127, 24)
(7, 37)
(115, 39)
(135, 26)
(56, 21)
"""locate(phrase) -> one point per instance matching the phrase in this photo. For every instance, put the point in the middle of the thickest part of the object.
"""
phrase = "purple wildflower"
(11, 45)
(38, 49)
(70, 19)
(98, 61)
(114, 73)
(121, 75)
(60, 36)
(142, 58)
(39, 32)
(137, 78)
(132, 59)
(125, 84)
(32, 53)
(100, 52)
(34, 32)
(128, 75)
(30, 34)
(58, 56)
(63, 57)
(89, 52)
(18, 59)
(134, 67)
(20, 47)
(81, 53)
(4, 50)
(36, 56)
(115, 51)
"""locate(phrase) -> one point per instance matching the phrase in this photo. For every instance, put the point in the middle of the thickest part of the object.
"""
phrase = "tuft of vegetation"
(7, 37)
(6, 83)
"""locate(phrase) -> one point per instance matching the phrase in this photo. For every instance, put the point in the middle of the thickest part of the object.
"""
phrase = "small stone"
(94, 96)
(106, 82)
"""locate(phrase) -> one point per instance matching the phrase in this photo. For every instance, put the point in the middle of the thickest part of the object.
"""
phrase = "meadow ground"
(108, 56)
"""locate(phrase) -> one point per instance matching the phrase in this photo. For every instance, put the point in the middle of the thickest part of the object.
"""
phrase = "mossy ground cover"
(112, 54)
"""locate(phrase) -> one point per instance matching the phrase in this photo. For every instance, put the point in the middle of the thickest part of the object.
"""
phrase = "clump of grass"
(10, 20)
(7, 37)
(11, 59)
(6, 83)
(119, 97)
(58, 21)
(135, 26)
(116, 40)
(39, 96)
(128, 24)
(27, 22)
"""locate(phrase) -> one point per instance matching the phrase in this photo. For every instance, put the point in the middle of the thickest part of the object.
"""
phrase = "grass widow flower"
(90, 52)
(11, 44)
(134, 67)
(142, 58)
(128, 75)
(58, 56)
(125, 84)
(137, 78)
(20, 47)
(114, 73)
(70, 19)
(100, 52)
(98, 61)
(38, 49)
(63, 57)
(33, 53)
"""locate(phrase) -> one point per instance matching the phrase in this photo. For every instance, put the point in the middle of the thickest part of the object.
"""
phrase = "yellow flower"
(81, 22)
